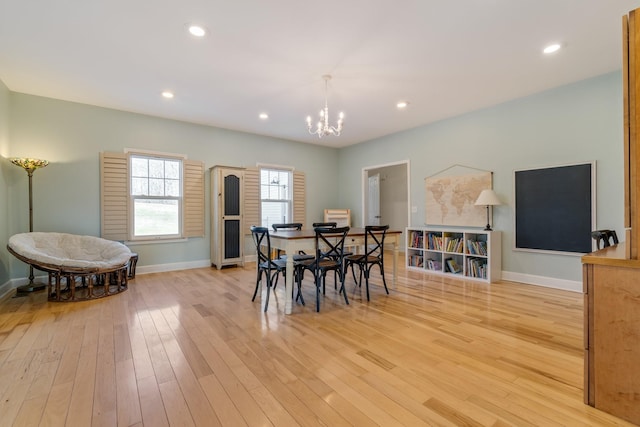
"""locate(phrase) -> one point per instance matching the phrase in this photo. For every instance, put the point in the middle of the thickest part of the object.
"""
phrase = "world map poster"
(451, 200)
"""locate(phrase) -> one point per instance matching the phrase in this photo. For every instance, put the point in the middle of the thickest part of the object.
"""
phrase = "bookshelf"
(468, 254)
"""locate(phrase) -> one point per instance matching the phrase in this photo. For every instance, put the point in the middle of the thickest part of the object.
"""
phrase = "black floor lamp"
(488, 198)
(30, 165)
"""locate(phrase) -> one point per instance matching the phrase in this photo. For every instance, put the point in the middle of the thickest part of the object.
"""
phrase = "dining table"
(293, 241)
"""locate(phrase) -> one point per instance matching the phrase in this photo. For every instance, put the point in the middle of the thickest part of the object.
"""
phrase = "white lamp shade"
(488, 198)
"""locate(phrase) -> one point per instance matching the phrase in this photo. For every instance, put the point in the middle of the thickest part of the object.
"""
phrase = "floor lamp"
(488, 198)
(30, 165)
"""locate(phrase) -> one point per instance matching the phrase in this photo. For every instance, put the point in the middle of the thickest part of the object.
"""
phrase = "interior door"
(373, 208)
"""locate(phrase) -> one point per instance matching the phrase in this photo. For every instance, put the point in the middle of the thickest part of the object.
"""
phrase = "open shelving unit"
(469, 254)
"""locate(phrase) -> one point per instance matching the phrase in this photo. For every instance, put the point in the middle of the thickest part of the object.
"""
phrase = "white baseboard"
(530, 279)
(6, 288)
(9, 286)
(161, 268)
(549, 282)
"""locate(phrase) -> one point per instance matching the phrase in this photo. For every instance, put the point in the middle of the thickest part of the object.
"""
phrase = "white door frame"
(365, 183)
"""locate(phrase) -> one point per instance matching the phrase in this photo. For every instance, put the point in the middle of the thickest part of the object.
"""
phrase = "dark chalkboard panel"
(554, 208)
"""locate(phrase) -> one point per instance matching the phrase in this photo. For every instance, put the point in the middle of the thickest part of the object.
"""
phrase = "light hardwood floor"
(190, 348)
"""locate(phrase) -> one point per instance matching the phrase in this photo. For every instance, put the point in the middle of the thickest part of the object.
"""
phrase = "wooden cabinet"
(612, 332)
(468, 254)
(611, 276)
(227, 216)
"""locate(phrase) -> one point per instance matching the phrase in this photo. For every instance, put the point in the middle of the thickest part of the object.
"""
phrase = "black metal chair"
(287, 226)
(374, 255)
(329, 248)
(332, 224)
(325, 224)
(266, 265)
(606, 237)
(296, 226)
(300, 256)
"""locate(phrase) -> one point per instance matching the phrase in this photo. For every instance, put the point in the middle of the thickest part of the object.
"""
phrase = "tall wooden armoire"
(227, 208)
(612, 275)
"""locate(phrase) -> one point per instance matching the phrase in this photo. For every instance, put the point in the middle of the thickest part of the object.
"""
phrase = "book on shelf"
(415, 260)
(453, 244)
(433, 264)
(416, 239)
(477, 267)
(477, 247)
(434, 241)
(453, 266)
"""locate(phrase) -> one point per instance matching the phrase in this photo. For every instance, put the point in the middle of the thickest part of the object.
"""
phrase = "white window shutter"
(114, 200)
(299, 198)
(193, 198)
(252, 199)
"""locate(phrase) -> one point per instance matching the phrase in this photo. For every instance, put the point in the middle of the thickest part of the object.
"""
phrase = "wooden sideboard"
(612, 332)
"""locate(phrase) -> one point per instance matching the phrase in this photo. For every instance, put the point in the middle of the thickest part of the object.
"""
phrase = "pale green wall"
(5, 171)
(71, 135)
(580, 122)
(576, 123)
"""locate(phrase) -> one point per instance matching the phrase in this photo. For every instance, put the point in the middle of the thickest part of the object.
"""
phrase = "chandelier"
(323, 128)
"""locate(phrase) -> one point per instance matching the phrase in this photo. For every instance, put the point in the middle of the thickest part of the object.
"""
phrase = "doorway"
(389, 203)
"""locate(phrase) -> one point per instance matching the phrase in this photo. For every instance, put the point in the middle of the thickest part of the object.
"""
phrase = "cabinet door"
(231, 216)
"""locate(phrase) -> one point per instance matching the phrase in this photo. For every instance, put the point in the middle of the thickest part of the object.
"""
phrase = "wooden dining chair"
(329, 249)
(373, 255)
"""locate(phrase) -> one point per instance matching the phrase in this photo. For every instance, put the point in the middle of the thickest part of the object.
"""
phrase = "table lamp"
(30, 165)
(488, 198)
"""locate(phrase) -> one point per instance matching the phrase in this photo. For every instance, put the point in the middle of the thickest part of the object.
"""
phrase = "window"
(275, 196)
(150, 196)
(156, 196)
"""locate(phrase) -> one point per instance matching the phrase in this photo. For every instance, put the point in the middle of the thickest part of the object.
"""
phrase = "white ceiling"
(446, 57)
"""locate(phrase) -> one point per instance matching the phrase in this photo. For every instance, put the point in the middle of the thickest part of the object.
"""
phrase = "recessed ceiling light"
(552, 48)
(167, 94)
(197, 31)
(263, 116)
(402, 104)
